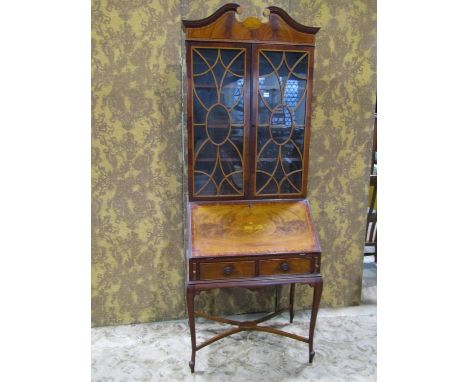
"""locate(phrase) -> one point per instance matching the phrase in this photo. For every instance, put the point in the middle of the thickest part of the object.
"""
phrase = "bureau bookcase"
(249, 99)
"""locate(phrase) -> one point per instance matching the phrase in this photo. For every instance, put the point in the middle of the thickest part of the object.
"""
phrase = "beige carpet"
(345, 345)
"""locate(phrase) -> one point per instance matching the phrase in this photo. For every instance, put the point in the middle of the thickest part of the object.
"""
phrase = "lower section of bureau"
(252, 266)
(194, 287)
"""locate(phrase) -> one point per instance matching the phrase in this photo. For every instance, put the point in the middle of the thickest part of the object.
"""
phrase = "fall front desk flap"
(244, 228)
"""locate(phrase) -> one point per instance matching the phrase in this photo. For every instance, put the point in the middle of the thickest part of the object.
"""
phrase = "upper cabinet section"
(249, 93)
(224, 25)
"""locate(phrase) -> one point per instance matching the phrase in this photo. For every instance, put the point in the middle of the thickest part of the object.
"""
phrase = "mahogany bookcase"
(249, 98)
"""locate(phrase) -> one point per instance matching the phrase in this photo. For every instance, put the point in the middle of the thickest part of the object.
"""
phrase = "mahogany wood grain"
(228, 228)
(292, 289)
(223, 270)
(223, 25)
(313, 317)
(254, 282)
(313, 259)
(284, 266)
(190, 308)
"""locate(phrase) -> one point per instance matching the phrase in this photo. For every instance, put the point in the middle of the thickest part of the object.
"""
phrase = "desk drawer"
(227, 270)
(284, 266)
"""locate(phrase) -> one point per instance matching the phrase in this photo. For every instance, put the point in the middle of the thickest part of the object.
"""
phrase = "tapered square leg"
(292, 288)
(191, 317)
(313, 317)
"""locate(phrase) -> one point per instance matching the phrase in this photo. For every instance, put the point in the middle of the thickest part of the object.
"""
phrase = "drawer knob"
(228, 270)
(284, 266)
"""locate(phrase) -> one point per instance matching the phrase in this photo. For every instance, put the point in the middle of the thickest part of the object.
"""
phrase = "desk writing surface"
(243, 228)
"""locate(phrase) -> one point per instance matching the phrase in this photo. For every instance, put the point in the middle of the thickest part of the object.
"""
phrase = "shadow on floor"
(369, 282)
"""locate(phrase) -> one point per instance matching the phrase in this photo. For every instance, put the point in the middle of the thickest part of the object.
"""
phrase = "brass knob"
(284, 266)
(228, 270)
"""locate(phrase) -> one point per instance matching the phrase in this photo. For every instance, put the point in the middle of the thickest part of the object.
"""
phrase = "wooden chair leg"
(292, 288)
(313, 317)
(191, 317)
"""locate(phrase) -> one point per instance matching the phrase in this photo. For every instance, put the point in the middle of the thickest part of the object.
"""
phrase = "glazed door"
(218, 119)
(281, 98)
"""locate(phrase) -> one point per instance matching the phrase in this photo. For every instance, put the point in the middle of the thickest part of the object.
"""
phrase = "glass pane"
(231, 166)
(298, 137)
(233, 61)
(206, 55)
(229, 55)
(218, 124)
(281, 125)
(205, 154)
(274, 58)
(204, 184)
(237, 65)
(283, 73)
(279, 174)
(199, 66)
(299, 112)
(231, 90)
(199, 137)
(237, 137)
(270, 90)
(298, 63)
(205, 90)
(295, 92)
(237, 113)
(269, 184)
(268, 159)
(205, 79)
(291, 157)
(282, 88)
(218, 121)
(199, 111)
(263, 113)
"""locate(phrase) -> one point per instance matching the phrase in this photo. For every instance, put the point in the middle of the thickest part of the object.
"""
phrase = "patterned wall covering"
(137, 235)
(137, 168)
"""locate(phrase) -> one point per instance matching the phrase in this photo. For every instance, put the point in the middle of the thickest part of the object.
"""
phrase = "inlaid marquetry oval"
(281, 124)
(218, 124)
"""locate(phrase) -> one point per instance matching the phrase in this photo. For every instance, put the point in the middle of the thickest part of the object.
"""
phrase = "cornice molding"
(224, 24)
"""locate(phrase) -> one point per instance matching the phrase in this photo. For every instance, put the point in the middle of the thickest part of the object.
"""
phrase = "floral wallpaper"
(138, 187)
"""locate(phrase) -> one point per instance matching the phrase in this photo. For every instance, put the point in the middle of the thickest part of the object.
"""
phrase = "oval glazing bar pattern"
(282, 95)
(219, 91)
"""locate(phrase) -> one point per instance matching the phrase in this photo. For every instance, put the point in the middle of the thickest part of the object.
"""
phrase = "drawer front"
(225, 270)
(284, 266)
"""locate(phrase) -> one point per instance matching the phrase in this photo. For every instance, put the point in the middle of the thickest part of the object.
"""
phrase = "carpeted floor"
(345, 345)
